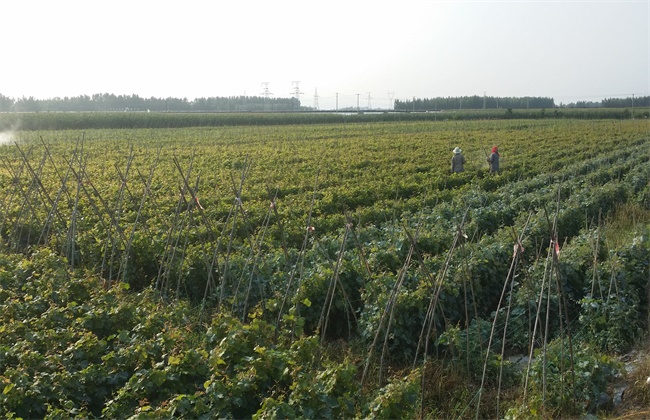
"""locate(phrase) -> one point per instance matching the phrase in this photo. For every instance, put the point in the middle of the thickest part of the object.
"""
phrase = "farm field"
(324, 270)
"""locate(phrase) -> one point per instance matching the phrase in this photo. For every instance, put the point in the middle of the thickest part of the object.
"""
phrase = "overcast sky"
(366, 51)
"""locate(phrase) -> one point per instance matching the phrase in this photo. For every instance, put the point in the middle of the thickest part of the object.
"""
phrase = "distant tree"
(586, 104)
(245, 104)
(30, 104)
(473, 102)
(641, 101)
(5, 103)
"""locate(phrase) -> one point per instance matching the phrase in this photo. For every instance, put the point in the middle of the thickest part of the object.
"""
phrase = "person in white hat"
(458, 161)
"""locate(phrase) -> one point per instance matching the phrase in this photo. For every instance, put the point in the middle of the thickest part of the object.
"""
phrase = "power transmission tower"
(265, 90)
(266, 94)
(315, 98)
(296, 89)
(391, 96)
(296, 93)
(369, 107)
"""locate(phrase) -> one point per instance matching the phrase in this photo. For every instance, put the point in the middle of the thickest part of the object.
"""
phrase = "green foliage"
(612, 314)
(468, 350)
(328, 393)
(397, 400)
(565, 384)
(121, 294)
(611, 324)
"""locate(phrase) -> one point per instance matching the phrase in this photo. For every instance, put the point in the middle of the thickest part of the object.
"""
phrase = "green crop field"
(329, 269)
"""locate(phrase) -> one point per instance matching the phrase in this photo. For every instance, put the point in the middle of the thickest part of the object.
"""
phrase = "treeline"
(491, 102)
(642, 101)
(473, 102)
(630, 102)
(103, 102)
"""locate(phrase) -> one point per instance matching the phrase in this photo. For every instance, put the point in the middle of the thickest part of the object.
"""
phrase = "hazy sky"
(366, 51)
